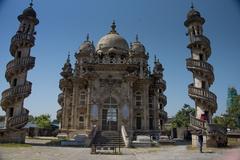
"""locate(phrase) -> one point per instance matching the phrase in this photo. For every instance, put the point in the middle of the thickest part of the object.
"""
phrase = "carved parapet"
(18, 65)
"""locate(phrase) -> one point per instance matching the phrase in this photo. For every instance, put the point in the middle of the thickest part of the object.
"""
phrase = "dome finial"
(31, 3)
(155, 58)
(87, 38)
(137, 38)
(113, 26)
(192, 6)
(68, 58)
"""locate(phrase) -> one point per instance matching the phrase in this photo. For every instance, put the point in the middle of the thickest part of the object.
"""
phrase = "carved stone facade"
(111, 86)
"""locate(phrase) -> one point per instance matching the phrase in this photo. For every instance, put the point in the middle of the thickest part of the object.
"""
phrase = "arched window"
(150, 101)
(110, 114)
(14, 82)
(138, 99)
(81, 121)
(82, 98)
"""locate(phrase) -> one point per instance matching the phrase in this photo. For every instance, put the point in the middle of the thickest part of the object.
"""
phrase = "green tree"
(182, 118)
(231, 119)
(43, 121)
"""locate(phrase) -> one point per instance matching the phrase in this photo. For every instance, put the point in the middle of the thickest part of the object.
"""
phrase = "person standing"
(200, 140)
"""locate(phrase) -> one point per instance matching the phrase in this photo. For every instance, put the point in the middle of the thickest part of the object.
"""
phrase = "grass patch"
(14, 145)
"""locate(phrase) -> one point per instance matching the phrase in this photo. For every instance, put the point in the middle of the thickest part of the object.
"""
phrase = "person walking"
(200, 140)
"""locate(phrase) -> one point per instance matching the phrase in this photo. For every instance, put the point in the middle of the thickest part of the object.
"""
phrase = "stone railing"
(163, 98)
(198, 123)
(59, 113)
(202, 93)
(21, 90)
(17, 122)
(20, 37)
(200, 38)
(21, 62)
(23, 36)
(125, 136)
(60, 98)
(199, 64)
(215, 128)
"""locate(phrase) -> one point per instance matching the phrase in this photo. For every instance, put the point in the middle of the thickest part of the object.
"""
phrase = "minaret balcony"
(60, 98)
(17, 122)
(202, 94)
(12, 94)
(200, 39)
(197, 123)
(59, 114)
(163, 99)
(18, 65)
(21, 38)
(160, 83)
(65, 83)
(197, 65)
(162, 114)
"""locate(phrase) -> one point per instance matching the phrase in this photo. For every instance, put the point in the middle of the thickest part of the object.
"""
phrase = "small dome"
(112, 40)
(137, 47)
(193, 13)
(29, 12)
(87, 46)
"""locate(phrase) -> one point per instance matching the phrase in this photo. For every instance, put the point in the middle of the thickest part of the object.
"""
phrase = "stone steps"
(108, 138)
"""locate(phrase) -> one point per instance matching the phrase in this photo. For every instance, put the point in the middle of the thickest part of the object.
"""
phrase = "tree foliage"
(182, 118)
(43, 121)
(231, 119)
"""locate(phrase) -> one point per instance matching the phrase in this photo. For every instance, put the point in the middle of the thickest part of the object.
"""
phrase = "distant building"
(231, 95)
(111, 86)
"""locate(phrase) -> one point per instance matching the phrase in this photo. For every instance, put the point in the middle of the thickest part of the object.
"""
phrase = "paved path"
(70, 153)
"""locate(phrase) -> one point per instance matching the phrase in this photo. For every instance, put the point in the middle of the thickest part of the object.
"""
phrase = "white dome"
(112, 40)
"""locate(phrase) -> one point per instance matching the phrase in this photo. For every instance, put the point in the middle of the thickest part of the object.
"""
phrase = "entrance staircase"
(216, 131)
(108, 138)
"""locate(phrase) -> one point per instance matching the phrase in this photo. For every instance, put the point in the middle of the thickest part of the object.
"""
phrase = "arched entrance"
(110, 115)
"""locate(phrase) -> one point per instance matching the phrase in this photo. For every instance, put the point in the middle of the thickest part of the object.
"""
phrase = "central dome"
(112, 41)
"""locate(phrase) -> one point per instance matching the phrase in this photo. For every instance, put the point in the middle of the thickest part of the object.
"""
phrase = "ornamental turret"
(158, 87)
(12, 101)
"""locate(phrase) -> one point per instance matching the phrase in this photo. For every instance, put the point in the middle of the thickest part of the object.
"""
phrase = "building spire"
(113, 26)
(31, 3)
(87, 38)
(192, 5)
(68, 58)
(155, 58)
(137, 38)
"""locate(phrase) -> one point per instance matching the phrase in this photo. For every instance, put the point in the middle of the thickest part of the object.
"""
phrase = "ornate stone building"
(203, 77)
(12, 101)
(111, 86)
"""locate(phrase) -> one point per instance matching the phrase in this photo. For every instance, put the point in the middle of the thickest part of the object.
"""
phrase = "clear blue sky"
(159, 23)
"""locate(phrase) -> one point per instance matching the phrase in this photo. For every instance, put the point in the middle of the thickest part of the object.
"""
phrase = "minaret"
(159, 88)
(65, 98)
(203, 76)
(12, 101)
